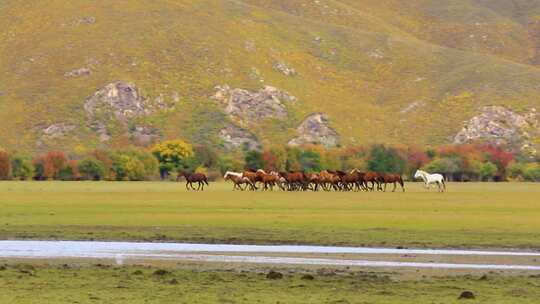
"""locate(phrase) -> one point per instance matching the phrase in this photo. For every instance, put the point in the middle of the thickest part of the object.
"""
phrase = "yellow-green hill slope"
(382, 71)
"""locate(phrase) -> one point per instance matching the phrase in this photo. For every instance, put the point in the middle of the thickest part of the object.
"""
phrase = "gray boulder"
(499, 125)
(315, 129)
(245, 107)
(116, 103)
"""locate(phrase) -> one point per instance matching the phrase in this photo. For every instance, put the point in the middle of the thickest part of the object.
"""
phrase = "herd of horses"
(326, 180)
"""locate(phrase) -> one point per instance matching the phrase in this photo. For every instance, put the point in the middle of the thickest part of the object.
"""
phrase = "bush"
(254, 160)
(48, 166)
(5, 165)
(70, 172)
(385, 160)
(21, 167)
(91, 168)
(532, 172)
(310, 161)
(485, 170)
(134, 165)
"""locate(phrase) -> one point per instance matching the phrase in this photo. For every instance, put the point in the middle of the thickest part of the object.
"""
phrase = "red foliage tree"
(5, 165)
(270, 161)
(53, 162)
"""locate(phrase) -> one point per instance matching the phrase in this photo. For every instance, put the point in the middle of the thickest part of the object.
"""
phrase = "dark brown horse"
(375, 179)
(313, 180)
(392, 178)
(353, 180)
(193, 178)
(295, 180)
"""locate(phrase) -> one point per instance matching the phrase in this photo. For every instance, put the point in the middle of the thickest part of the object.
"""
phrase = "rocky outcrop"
(315, 129)
(284, 68)
(118, 103)
(501, 126)
(245, 107)
(57, 130)
(235, 137)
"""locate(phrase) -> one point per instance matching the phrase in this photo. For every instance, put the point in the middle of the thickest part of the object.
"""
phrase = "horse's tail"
(443, 183)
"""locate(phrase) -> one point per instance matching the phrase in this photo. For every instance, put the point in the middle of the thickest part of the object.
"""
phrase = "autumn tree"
(5, 165)
(90, 168)
(172, 155)
(21, 167)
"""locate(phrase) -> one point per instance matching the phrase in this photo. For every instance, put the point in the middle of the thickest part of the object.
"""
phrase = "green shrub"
(21, 167)
(91, 168)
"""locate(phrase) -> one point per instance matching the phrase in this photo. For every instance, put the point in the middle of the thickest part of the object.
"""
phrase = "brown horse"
(329, 180)
(252, 176)
(313, 180)
(353, 180)
(294, 180)
(375, 179)
(269, 180)
(193, 178)
(238, 180)
(392, 178)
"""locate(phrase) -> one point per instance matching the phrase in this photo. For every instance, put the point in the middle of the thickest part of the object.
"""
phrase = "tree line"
(470, 162)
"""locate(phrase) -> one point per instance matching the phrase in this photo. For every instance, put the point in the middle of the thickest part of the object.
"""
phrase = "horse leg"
(394, 190)
(187, 188)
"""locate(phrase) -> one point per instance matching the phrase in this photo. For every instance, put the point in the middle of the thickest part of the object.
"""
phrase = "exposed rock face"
(118, 102)
(501, 126)
(57, 130)
(315, 129)
(284, 68)
(247, 107)
(235, 137)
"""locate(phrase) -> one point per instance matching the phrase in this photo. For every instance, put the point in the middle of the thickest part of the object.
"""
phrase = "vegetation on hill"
(395, 72)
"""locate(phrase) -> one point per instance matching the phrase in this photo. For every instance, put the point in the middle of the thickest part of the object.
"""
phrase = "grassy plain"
(469, 215)
(77, 283)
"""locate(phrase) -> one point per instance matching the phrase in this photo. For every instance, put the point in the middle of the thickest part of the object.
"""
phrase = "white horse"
(431, 179)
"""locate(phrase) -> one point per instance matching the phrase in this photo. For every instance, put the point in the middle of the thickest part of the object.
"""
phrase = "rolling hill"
(76, 75)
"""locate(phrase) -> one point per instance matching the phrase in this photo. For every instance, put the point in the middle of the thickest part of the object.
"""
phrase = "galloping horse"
(356, 178)
(239, 180)
(431, 179)
(313, 180)
(374, 178)
(268, 179)
(294, 180)
(329, 180)
(193, 178)
(391, 178)
(253, 177)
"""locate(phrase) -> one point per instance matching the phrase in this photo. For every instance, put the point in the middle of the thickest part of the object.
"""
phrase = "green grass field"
(469, 215)
(71, 283)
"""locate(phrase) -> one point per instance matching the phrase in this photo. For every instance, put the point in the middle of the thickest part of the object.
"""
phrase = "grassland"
(77, 283)
(469, 215)
(361, 62)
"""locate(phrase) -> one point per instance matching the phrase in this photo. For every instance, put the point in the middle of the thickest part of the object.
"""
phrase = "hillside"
(83, 74)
